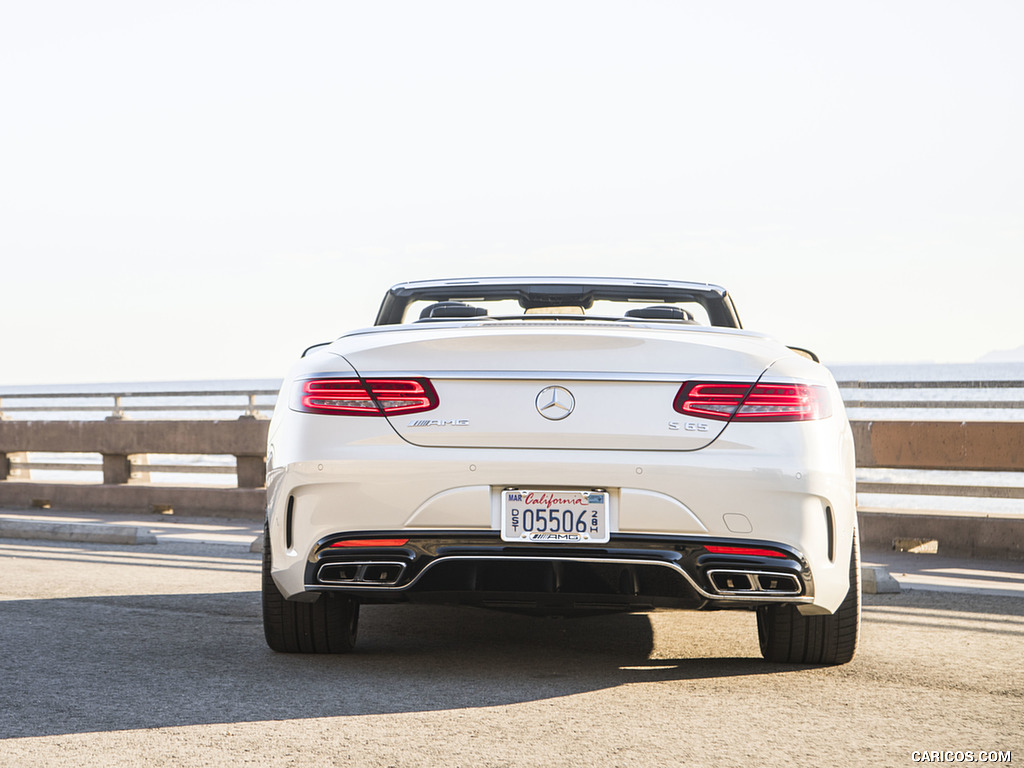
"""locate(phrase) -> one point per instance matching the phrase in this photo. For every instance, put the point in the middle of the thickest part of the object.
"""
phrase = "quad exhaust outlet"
(742, 582)
(367, 573)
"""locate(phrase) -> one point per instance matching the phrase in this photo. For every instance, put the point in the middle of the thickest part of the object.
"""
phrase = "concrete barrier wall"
(240, 437)
(117, 440)
(938, 445)
(971, 445)
(953, 535)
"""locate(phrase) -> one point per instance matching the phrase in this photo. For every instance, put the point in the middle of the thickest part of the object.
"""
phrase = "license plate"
(554, 517)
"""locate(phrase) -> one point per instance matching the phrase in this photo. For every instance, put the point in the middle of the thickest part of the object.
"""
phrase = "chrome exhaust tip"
(363, 573)
(755, 583)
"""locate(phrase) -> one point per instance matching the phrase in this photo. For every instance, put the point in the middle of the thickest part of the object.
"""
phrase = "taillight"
(366, 397)
(753, 402)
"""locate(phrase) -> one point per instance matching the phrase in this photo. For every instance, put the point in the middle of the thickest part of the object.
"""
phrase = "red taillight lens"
(371, 543)
(717, 550)
(710, 401)
(753, 402)
(366, 397)
(403, 395)
(347, 396)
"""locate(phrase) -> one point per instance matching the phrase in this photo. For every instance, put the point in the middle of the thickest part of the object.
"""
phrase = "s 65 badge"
(688, 426)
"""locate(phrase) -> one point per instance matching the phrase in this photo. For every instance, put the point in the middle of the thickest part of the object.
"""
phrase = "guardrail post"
(251, 411)
(140, 462)
(10, 472)
(117, 469)
(252, 471)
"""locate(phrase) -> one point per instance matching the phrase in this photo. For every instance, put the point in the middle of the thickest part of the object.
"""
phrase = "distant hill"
(1004, 356)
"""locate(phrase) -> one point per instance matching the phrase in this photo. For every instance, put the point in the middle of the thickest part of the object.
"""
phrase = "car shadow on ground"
(78, 665)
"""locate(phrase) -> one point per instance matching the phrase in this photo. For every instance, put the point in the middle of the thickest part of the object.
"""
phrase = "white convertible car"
(564, 446)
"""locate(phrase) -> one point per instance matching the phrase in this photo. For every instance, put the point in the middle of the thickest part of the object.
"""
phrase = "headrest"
(661, 313)
(451, 309)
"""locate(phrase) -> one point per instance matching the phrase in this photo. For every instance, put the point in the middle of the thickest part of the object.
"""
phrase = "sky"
(200, 190)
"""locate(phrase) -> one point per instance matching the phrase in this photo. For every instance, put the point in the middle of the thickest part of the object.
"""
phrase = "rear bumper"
(797, 494)
(630, 572)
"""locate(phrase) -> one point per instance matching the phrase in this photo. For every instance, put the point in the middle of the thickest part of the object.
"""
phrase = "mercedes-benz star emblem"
(555, 403)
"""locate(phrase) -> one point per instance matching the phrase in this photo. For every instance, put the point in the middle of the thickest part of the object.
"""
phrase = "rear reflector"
(716, 550)
(371, 543)
(366, 397)
(753, 402)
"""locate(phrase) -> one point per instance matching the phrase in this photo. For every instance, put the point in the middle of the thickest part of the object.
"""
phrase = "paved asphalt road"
(154, 656)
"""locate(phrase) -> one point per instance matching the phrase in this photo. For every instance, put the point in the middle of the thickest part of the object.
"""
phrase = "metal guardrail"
(120, 404)
(957, 404)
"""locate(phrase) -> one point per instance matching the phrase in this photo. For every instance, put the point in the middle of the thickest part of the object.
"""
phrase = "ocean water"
(233, 406)
(927, 371)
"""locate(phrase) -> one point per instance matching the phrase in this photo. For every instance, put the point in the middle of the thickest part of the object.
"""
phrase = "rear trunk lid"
(559, 385)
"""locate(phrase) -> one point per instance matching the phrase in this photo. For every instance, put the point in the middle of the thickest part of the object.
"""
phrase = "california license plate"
(554, 517)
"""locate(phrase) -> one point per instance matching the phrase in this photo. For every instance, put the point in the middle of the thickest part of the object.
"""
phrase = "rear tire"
(328, 625)
(788, 636)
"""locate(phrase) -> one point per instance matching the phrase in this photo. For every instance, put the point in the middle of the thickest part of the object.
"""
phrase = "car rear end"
(563, 469)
